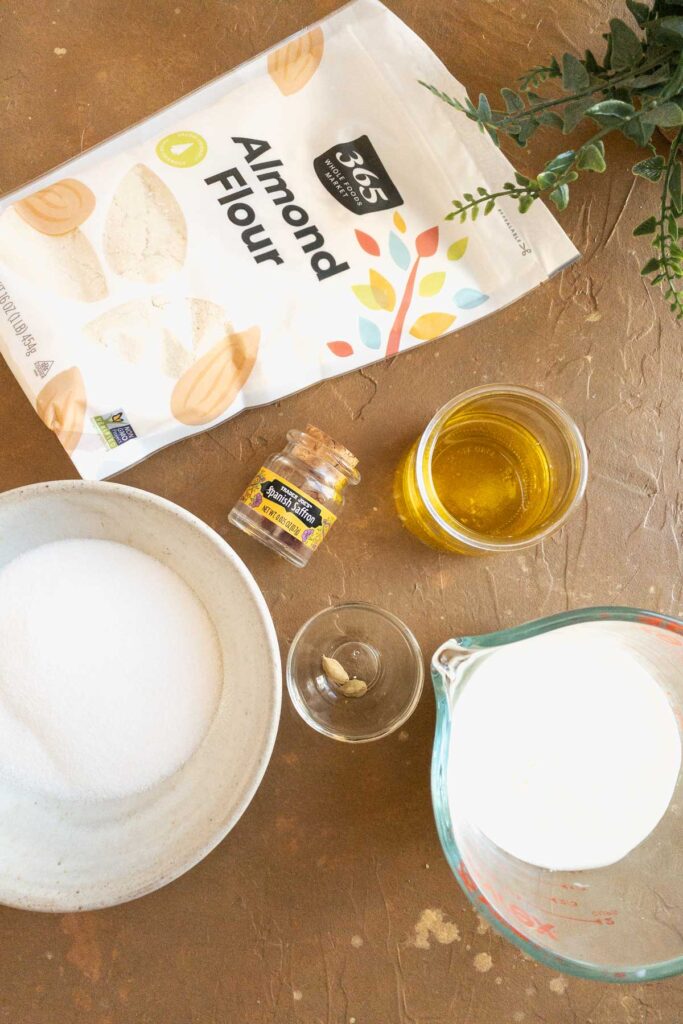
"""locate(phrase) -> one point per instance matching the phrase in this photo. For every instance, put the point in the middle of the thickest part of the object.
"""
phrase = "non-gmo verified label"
(114, 428)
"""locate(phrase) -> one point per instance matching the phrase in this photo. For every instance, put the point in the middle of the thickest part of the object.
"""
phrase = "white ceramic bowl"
(59, 855)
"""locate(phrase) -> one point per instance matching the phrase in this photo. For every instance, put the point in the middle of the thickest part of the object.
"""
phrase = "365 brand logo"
(353, 173)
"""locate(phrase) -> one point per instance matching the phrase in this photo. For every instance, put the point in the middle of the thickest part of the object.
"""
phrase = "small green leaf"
(607, 59)
(641, 12)
(481, 190)
(574, 74)
(673, 229)
(474, 213)
(538, 74)
(626, 46)
(514, 104)
(484, 108)
(637, 131)
(646, 227)
(546, 179)
(651, 78)
(525, 202)
(451, 100)
(652, 168)
(591, 63)
(668, 31)
(574, 113)
(551, 119)
(592, 157)
(560, 196)
(675, 188)
(527, 130)
(610, 112)
(650, 267)
(675, 83)
(521, 179)
(489, 207)
(560, 163)
(666, 115)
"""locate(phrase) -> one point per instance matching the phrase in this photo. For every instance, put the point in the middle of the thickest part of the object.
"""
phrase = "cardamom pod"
(354, 688)
(335, 672)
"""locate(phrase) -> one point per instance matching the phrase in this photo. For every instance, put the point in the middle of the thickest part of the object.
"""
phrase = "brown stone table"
(307, 911)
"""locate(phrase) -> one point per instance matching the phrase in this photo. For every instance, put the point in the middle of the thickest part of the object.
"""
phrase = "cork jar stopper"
(325, 441)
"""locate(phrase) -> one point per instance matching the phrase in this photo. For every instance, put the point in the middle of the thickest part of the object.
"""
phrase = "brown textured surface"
(306, 912)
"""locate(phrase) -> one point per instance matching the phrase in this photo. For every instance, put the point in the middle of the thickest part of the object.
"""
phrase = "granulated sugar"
(110, 670)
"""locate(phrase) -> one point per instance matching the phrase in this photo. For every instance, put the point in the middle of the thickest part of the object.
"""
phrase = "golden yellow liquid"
(490, 476)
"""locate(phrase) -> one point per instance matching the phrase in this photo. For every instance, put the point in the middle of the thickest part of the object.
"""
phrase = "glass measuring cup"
(623, 922)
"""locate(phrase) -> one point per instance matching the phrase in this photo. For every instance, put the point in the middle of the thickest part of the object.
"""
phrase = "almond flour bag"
(281, 225)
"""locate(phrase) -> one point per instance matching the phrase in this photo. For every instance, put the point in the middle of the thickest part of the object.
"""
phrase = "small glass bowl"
(372, 645)
(421, 509)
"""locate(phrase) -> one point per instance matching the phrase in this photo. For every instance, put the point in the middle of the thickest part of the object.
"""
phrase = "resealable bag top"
(283, 224)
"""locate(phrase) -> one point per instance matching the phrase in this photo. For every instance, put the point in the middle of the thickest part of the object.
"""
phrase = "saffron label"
(275, 499)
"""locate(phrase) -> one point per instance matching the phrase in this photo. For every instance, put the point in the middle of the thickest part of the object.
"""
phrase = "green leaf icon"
(457, 250)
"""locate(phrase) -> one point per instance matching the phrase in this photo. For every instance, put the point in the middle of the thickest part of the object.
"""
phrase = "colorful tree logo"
(379, 295)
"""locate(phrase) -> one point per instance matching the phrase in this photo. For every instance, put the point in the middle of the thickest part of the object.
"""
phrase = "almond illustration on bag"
(41, 240)
(209, 387)
(58, 209)
(61, 405)
(293, 65)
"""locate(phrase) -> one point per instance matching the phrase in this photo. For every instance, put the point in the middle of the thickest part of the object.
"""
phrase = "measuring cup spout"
(448, 661)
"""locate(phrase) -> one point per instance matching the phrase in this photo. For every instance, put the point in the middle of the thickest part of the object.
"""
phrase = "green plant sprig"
(666, 268)
(636, 88)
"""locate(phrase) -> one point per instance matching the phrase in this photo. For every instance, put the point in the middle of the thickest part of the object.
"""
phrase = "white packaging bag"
(281, 225)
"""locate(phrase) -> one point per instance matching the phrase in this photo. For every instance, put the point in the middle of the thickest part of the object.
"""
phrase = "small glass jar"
(297, 495)
(545, 464)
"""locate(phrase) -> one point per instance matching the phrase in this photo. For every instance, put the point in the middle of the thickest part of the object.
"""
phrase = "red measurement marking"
(666, 632)
(564, 902)
(581, 920)
(531, 922)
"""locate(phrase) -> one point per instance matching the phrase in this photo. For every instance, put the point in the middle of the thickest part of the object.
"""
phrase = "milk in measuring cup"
(564, 748)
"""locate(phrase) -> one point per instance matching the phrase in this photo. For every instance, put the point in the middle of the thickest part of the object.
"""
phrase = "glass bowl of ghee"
(498, 468)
